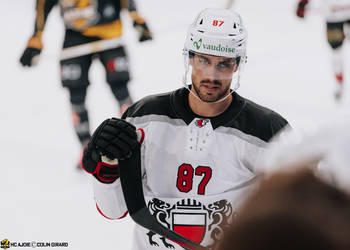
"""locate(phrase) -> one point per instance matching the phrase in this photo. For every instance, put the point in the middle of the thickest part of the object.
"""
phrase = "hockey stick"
(89, 48)
(130, 177)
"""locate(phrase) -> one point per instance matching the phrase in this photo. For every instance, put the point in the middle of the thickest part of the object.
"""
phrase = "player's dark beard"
(220, 96)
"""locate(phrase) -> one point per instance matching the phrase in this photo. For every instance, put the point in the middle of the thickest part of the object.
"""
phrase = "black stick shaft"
(130, 177)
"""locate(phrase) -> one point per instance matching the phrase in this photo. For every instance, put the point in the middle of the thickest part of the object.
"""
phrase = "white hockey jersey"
(195, 170)
(337, 10)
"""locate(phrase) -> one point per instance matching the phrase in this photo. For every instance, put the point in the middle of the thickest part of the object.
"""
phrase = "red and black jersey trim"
(121, 217)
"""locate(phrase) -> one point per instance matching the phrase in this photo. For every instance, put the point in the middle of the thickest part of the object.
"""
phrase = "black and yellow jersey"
(85, 20)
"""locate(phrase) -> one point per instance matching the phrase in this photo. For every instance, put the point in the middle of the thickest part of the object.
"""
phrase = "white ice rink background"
(43, 198)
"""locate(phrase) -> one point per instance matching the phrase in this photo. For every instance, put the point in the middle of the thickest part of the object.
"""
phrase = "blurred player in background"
(337, 14)
(92, 30)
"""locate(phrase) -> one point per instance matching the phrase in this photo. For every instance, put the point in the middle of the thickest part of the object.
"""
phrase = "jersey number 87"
(185, 178)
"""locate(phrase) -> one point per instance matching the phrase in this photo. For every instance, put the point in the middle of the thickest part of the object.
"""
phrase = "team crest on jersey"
(79, 14)
(190, 219)
(201, 122)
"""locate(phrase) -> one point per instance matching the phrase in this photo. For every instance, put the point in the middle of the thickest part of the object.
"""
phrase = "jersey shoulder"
(260, 121)
(158, 104)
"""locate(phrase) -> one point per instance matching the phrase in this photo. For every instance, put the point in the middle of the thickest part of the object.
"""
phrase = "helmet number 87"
(185, 177)
(218, 23)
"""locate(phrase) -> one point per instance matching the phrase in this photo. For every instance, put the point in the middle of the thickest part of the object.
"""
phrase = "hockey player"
(337, 14)
(199, 144)
(88, 21)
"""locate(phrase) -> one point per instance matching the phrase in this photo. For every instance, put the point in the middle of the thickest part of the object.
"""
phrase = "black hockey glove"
(114, 139)
(28, 55)
(144, 32)
(301, 8)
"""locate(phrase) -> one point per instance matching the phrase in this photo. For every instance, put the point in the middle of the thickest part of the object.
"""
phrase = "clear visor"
(212, 69)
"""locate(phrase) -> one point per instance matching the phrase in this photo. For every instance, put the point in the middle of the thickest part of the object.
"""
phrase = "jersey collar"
(181, 107)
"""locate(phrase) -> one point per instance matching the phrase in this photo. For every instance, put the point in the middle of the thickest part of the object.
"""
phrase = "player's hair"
(292, 211)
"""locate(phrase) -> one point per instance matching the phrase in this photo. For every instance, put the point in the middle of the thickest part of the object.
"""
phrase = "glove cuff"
(35, 42)
(140, 135)
(109, 173)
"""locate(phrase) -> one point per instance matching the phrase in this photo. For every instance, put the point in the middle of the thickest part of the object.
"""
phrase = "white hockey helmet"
(217, 32)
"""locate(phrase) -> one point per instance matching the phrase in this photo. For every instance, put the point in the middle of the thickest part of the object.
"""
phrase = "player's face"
(212, 76)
